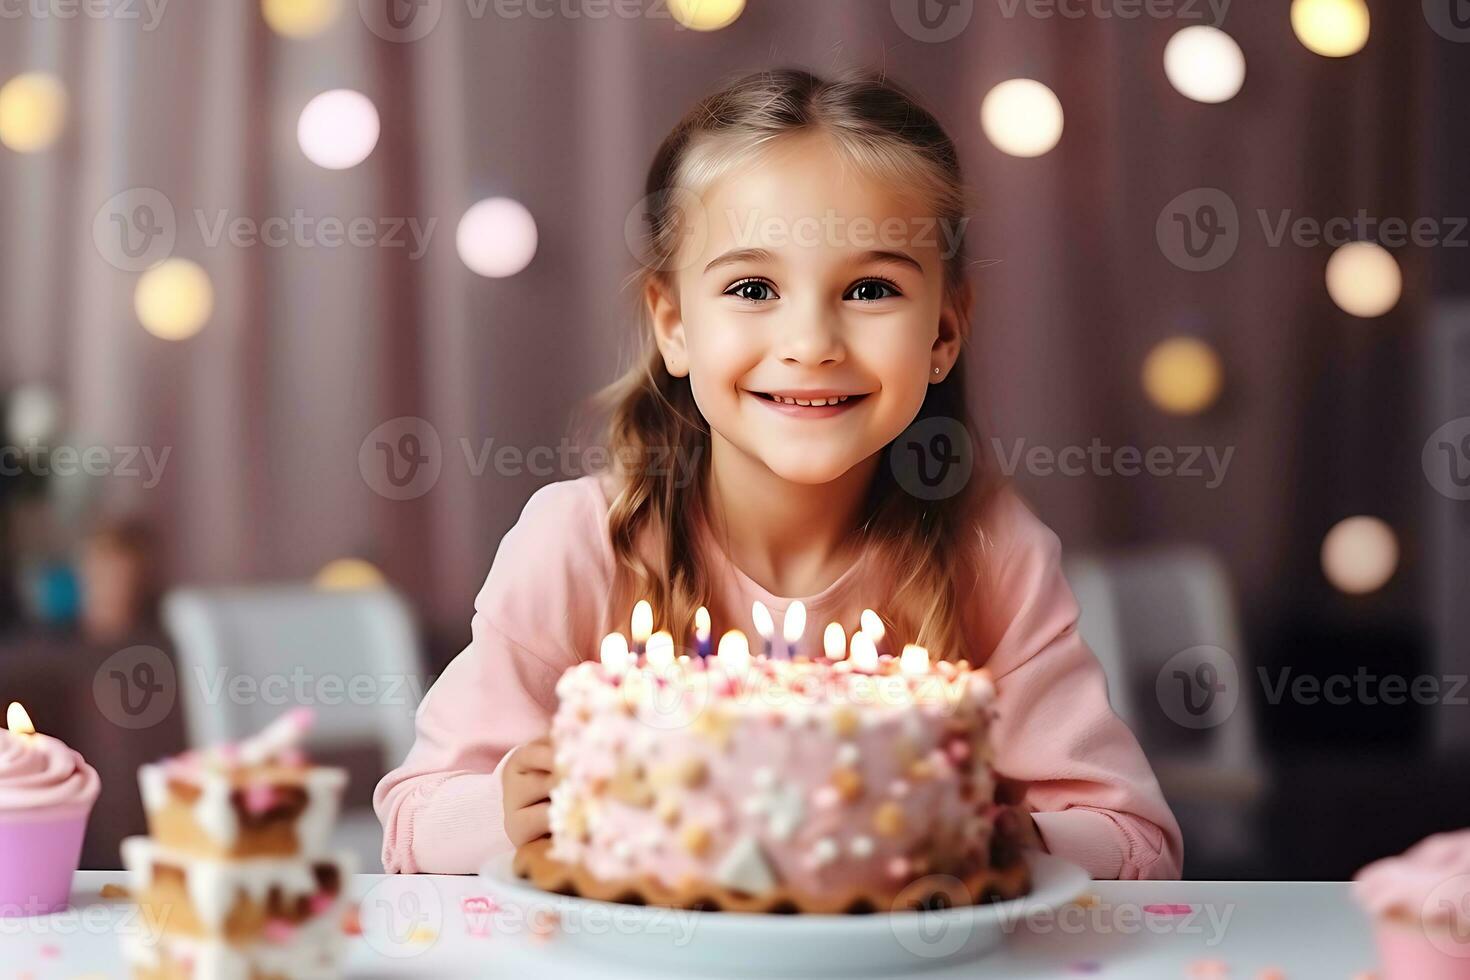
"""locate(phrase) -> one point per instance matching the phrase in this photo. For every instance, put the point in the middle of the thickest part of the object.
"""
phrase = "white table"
(416, 926)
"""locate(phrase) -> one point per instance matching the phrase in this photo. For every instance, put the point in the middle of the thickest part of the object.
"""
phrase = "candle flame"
(914, 659)
(701, 623)
(18, 721)
(734, 652)
(864, 653)
(642, 621)
(834, 641)
(764, 625)
(614, 652)
(660, 649)
(872, 625)
(795, 623)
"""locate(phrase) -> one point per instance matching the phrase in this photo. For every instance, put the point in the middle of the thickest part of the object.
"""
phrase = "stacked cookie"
(234, 878)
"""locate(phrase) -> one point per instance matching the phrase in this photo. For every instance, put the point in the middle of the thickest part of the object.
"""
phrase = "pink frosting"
(1429, 882)
(41, 772)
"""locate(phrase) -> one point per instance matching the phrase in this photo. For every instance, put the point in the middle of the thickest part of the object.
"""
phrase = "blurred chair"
(246, 655)
(1143, 614)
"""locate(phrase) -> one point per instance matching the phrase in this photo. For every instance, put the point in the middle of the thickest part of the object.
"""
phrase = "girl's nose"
(811, 336)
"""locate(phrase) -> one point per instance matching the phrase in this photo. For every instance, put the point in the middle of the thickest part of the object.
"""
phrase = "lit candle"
(18, 721)
(734, 653)
(661, 649)
(764, 625)
(834, 641)
(701, 632)
(793, 626)
(614, 652)
(642, 625)
(914, 659)
(873, 626)
(864, 653)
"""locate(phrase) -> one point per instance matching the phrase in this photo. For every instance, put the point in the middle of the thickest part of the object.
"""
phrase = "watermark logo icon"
(1450, 19)
(135, 229)
(401, 21)
(1446, 459)
(684, 212)
(1199, 230)
(1199, 687)
(401, 917)
(939, 931)
(1446, 916)
(136, 687)
(402, 458)
(933, 458)
(932, 21)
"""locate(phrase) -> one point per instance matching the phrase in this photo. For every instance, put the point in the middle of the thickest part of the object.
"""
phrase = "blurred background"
(299, 300)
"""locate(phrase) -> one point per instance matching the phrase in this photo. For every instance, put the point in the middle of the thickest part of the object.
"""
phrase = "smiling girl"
(792, 432)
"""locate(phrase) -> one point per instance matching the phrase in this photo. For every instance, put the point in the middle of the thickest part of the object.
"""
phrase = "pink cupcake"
(46, 793)
(1420, 904)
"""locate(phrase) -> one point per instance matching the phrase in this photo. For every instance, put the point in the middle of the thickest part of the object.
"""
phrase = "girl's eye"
(751, 290)
(872, 290)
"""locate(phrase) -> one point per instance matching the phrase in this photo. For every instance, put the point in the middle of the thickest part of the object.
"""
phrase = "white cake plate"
(742, 943)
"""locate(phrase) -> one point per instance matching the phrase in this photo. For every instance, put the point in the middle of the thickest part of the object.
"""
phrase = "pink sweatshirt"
(1089, 787)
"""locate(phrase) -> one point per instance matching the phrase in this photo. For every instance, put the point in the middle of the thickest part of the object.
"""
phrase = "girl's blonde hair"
(927, 547)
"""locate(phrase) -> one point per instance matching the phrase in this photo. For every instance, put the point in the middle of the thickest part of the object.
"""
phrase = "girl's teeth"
(810, 403)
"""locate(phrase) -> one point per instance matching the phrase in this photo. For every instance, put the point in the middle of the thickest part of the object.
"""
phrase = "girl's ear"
(668, 325)
(954, 327)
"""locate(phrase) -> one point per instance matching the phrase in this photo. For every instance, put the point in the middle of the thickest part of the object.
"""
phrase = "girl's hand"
(526, 785)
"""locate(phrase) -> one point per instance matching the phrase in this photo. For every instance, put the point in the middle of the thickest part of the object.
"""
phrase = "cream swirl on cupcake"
(38, 772)
(1429, 882)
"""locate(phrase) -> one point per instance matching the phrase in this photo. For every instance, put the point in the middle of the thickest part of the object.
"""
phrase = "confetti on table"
(1271, 973)
(543, 924)
(1168, 909)
(352, 921)
(1085, 901)
(50, 952)
(115, 892)
(1208, 969)
(422, 936)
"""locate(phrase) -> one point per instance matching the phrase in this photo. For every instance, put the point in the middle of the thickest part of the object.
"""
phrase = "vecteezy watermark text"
(1096, 459)
(127, 462)
(150, 12)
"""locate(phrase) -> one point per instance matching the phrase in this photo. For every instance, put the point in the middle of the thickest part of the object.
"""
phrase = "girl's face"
(804, 281)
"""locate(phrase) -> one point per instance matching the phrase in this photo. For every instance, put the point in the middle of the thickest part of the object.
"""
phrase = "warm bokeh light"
(734, 651)
(863, 652)
(1022, 117)
(660, 649)
(794, 625)
(706, 15)
(914, 659)
(1364, 279)
(1204, 64)
(32, 414)
(338, 129)
(349, 575)
(496, 237)
(614, 653)
(18, 721)
(174, 299)
(1182, 375)
(642, 622)
(299, 18)
(834, 641)
(1360, 554)
(32, 111)
(1332, 28)
(872, 624)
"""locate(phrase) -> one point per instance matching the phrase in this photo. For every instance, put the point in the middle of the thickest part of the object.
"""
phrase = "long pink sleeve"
(441, 809)
(1089, 787)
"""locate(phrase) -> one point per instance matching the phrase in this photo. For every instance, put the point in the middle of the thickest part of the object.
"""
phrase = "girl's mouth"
(808, 404)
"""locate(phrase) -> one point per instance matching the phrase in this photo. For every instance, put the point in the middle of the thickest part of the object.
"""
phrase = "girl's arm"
(442, 809)
(1090, 789)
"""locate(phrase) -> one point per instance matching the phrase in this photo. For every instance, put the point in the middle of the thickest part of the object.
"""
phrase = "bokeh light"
(32, 111)
(1183, 375)
(1364, 279)
(32, 414)
(496, 237)
(299, 18)
(174, 299)
(1360, 554)
(349, 575)
(1204, 64)
(1022, 117)
(706, 15)
(338, 129)
(1331, 28)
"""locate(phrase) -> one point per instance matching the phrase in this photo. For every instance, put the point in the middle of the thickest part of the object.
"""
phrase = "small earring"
(936, 370)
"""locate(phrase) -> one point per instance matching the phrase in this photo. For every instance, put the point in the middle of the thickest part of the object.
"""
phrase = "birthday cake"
(828, 784)
(235, 878)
